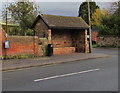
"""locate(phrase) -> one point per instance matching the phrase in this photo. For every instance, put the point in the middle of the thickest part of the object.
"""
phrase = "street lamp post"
(90, 42)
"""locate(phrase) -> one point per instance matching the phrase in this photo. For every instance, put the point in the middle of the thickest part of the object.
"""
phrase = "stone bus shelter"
(67, 34)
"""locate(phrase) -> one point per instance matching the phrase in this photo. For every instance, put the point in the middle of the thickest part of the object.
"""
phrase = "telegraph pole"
(90, 42)
(6, 15)
(6, 21)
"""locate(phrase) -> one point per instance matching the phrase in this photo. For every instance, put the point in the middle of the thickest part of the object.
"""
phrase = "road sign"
(7, 44)
(9, 15)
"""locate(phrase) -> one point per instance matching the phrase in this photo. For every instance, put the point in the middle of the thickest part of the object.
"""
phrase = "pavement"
(14, 64)
(99, 74)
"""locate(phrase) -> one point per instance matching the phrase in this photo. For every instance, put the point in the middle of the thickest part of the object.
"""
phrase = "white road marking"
(70, 74)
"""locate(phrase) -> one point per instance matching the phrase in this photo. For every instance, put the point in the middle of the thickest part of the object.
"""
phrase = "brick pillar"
(86, 42)
(49, 36)
(2, 41)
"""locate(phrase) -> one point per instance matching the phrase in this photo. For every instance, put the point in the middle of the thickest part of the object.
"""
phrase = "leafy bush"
(29, 32)
(110, 25)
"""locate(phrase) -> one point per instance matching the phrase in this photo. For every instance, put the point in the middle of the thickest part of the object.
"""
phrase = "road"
(88, 75)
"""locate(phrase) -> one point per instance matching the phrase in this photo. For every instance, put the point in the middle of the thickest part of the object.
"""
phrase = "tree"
(24, 13)
(115, 8)
(83, 10)
(110, 25)
(117, 11)
(97, 16)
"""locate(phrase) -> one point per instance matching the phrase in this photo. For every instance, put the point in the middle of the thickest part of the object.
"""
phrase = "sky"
(62, 0)
(61, 8)
(65, 8)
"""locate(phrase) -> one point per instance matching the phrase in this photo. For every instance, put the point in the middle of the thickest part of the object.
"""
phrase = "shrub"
(110, 25)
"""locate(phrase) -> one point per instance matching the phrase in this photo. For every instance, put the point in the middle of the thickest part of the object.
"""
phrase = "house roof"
(1, 29)
(95, 29)
(10, 24)
(53, 21)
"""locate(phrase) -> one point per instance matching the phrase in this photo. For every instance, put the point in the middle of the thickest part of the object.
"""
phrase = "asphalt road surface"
(99, 74)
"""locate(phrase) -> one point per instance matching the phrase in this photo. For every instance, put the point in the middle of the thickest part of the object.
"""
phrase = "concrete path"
(41, 61)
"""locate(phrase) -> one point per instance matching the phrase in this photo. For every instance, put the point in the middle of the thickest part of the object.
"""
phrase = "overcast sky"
(61, 0)
(62, 8)
(65, 8)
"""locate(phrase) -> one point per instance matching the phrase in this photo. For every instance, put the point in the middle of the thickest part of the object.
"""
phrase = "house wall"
(41, 29)
(94, 35)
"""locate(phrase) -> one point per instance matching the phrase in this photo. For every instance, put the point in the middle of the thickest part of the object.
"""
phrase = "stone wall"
(109, 41)
(42, 47)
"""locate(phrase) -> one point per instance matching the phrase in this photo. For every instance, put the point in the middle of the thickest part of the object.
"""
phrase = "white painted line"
(70, 74)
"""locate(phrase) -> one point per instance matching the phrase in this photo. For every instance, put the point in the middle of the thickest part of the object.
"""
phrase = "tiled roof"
(53, 21)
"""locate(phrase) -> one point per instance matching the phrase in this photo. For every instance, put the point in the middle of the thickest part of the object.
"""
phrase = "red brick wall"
(19, 45)
(79, 40)
(94, 35)
(63, 50)
(2, 40)
(61, 38)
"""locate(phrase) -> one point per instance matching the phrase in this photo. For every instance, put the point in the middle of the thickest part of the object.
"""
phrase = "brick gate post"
(49, 36)
(86, 42)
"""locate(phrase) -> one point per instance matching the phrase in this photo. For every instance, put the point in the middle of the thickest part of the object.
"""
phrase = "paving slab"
(13, 64)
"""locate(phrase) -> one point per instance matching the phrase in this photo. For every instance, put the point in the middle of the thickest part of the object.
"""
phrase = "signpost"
(9, 14)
